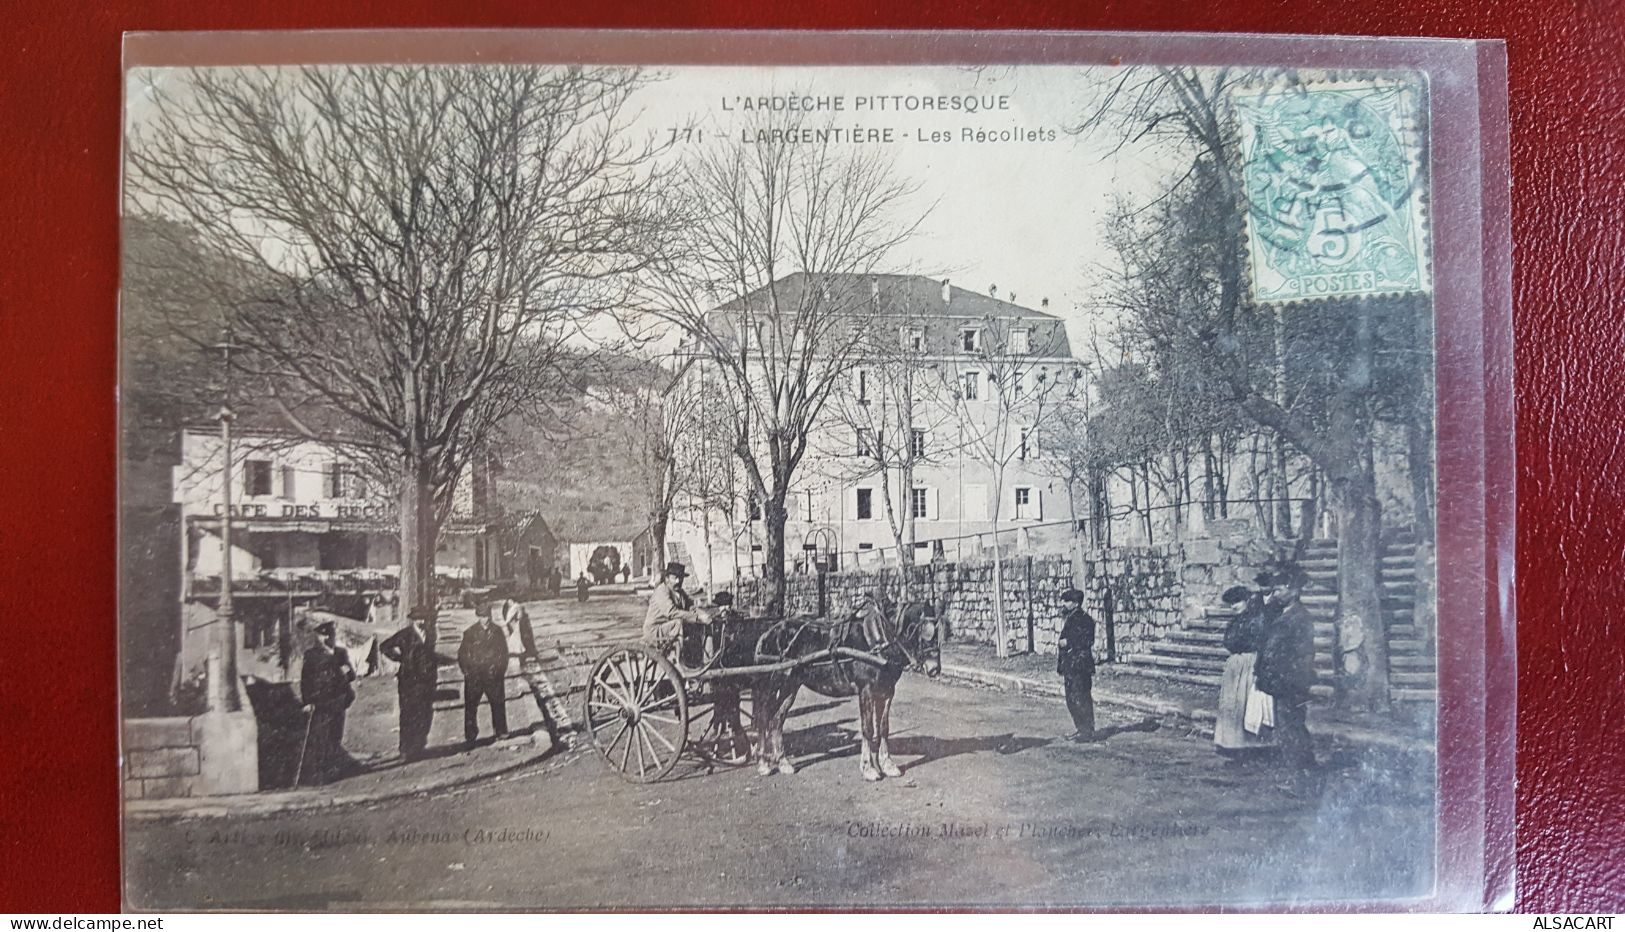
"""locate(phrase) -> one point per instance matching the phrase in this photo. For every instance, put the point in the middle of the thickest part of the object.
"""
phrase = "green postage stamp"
(1335, 178)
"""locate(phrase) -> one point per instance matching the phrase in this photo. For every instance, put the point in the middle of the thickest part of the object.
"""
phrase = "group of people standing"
(1265, 692)
(488, 649)
(1264, 695)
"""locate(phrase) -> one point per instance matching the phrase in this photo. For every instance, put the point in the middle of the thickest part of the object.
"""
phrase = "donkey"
(877, 649)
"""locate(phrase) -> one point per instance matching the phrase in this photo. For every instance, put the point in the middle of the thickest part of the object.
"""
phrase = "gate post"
(823, 590)
(1031, 644)
(1111, 626)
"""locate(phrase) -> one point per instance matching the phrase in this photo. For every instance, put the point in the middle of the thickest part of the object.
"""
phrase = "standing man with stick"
(324, 687)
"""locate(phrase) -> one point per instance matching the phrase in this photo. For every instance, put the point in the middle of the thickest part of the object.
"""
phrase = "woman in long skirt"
(1246, 717)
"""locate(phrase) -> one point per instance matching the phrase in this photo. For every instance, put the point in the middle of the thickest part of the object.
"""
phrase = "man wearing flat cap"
(1075, 661)
(669, 607)
(325, 690)
(415, 679)
(483, 658)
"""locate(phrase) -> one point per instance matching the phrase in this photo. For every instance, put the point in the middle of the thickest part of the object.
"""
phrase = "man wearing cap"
(1075, 662)
(483, 658)
(669, 607)
(325, 690)
(414, 679)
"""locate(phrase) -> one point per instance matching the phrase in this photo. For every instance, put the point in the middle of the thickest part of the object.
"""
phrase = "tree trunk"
(657, 534)
(1001, 628)
(1359, 589)
(1282, 491)
(419, 536)
(1419, 464)
(774, 517)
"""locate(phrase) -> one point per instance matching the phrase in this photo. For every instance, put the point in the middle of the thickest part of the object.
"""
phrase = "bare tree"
(430, 238)
(885, 423)
(658, 413)
(1004, 393)
(1183, 273)
(770, 291)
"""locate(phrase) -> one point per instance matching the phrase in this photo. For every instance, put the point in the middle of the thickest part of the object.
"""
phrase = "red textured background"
(59, 136)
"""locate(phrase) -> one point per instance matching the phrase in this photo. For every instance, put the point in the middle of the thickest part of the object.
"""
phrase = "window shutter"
(287, 482)
(1038, 504)
(930, 503)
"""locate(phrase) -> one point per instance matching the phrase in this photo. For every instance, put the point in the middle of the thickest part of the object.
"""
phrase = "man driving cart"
(672, 618)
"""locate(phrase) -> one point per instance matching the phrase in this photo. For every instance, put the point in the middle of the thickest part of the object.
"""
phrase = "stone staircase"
(1195, 652)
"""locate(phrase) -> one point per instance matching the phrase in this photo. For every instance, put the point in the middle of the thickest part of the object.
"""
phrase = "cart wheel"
(637, 713)
(717, 743)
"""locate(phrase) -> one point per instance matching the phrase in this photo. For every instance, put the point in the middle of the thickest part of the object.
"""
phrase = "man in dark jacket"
(325, 690)
(1075, 661)
(483, 658)
(1286, 665)
(415, 679)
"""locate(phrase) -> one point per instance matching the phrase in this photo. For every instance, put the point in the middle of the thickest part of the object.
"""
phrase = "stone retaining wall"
(1152, 590)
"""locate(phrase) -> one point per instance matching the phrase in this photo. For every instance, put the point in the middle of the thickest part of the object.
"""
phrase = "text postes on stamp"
(1334, 176)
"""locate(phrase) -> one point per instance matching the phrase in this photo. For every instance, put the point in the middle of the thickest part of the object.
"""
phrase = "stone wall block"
(162, 762)
(145, 733)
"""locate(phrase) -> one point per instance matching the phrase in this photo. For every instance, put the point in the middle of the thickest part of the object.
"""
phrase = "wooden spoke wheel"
(721, 735)
(637, 713)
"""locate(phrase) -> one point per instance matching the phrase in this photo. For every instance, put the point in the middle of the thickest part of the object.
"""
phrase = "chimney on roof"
(874, 289)
(1044, 303)
(946, 290)
(993, 291)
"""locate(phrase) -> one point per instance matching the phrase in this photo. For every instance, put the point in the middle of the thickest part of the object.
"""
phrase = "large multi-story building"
(304, 508)
(933, 426)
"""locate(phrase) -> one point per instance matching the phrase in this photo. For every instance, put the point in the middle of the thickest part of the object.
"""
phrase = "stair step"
(1429, 680)
(1409, 694)
(1412, 662)
(1177, 676)
(1171, 648)
(1166, 662)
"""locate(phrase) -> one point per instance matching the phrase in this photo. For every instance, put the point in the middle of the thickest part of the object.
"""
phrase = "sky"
(1025, 215)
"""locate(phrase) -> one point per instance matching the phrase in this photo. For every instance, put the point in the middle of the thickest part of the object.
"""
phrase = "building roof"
(937, 307)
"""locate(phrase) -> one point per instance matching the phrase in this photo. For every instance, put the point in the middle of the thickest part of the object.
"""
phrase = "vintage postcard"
(657, 480)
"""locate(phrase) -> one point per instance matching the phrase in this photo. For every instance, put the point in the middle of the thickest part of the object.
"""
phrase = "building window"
(1027, 503)
(863, 386)
(343, 480)
(970, 340)
(287, 482)
(257, 477)
(1021, 342)
(916, 442)
(911, 338)
(917, 502)
(866, 504)
(1026, 443)
(809, 506)
(754, 507)
(970, 385)
(866, 546)
(1018, 384)
(866, 442)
